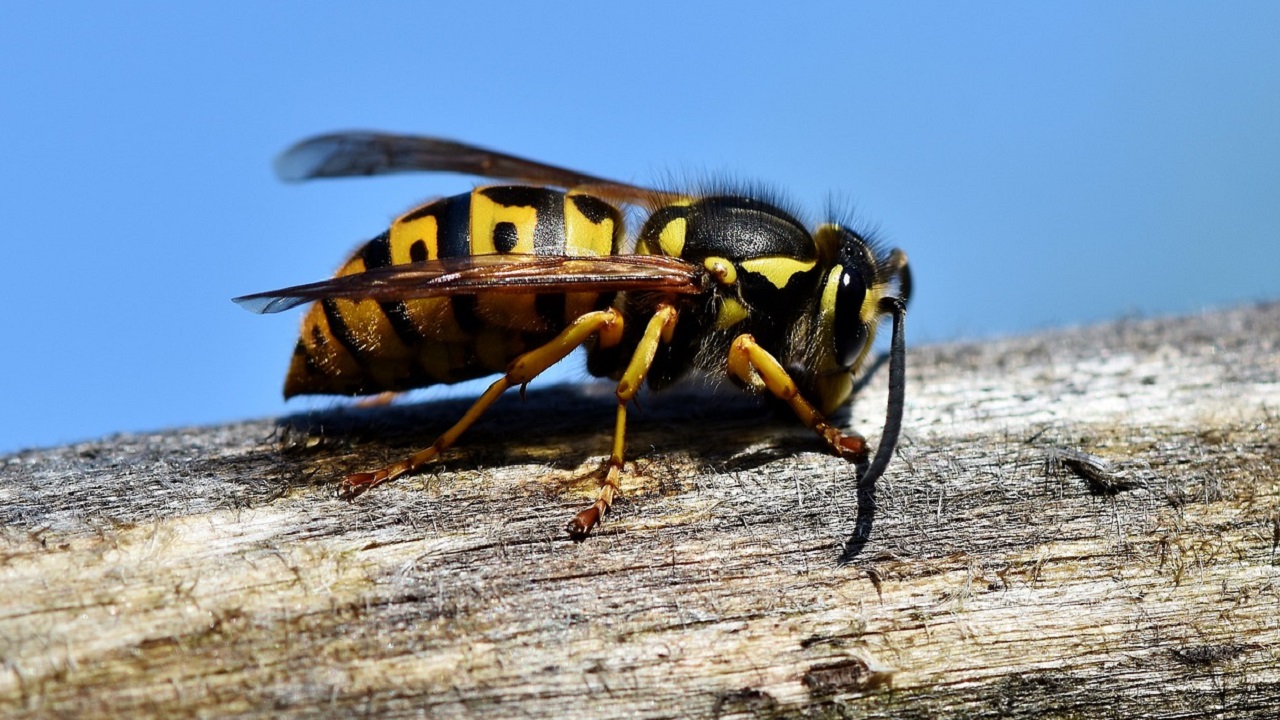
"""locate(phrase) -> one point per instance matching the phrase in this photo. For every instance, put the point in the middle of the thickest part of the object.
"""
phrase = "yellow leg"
(659, 330)
(754, 365)
(607, 324)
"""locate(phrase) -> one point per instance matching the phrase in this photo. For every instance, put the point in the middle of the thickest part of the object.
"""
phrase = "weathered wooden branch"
(1084, 523)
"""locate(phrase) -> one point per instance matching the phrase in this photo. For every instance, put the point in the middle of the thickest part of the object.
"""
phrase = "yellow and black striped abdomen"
(364, 347)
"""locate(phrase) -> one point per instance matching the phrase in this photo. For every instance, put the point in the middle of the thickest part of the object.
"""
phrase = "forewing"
(509, 273)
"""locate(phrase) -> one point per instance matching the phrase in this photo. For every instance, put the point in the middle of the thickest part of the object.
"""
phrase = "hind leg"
(607, 324)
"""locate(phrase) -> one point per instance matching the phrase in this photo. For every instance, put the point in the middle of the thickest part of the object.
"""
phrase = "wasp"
(510, 278)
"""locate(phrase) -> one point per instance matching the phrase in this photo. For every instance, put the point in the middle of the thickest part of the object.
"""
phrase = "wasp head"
(849, 309)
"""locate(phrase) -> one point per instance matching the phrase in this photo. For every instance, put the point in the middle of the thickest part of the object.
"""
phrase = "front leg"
(755, 366)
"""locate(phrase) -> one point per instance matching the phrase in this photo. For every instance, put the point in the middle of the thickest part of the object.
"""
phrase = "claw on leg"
(586, 519)
(756, 367)
(853, 447)
(355, 484)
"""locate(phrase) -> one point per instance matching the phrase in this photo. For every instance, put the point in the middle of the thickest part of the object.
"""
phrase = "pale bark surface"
(1083, 523)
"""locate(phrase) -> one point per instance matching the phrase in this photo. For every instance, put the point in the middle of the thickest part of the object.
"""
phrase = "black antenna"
(897, 306)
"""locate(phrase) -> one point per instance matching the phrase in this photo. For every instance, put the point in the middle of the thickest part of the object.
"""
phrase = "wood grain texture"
(1083, 523)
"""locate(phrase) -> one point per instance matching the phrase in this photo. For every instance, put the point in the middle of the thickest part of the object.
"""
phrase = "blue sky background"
(1043, 164)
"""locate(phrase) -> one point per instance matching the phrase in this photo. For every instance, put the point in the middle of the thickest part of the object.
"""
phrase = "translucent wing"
(349, 154)
(509, 273)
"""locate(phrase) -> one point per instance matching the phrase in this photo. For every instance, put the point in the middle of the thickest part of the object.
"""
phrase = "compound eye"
(849, 332)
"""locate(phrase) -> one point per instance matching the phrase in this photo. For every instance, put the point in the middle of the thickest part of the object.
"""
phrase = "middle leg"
(659, 330)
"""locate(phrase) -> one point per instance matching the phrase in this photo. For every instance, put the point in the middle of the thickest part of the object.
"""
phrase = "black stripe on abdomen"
(453, 238)
(377, 252)
(340, 331)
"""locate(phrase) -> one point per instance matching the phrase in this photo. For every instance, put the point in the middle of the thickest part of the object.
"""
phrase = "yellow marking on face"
(827, 319)
(731, 313)
(486, 215)
(405, 233)
(829, 288)
(721, 269)
(870, 310)
(834, 384)
(671, 239)
(777, 269)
